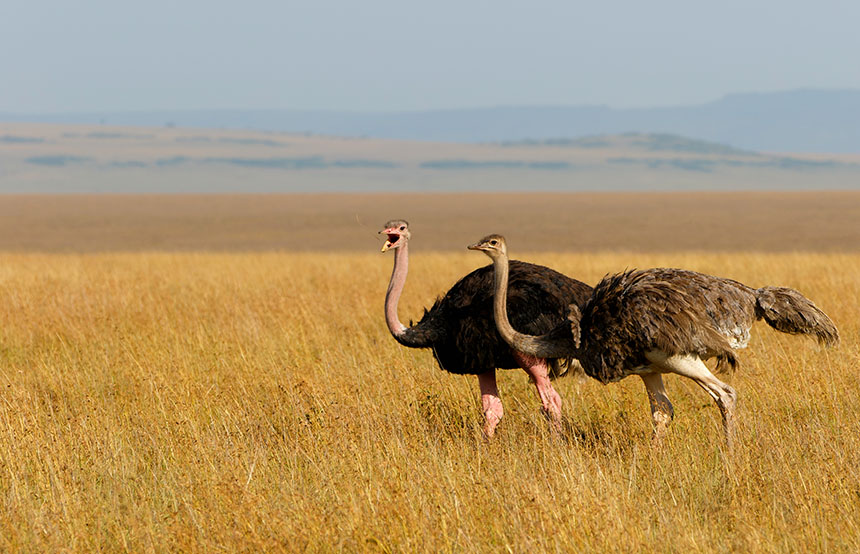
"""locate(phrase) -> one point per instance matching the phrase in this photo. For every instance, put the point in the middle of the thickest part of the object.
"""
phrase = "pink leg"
(490, 402)
(538, 370)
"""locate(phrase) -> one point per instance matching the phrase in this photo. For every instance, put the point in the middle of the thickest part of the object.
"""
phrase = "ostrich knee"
(695, 369)
(538, 370)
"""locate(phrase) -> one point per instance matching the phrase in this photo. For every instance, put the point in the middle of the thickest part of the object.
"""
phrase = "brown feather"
(682, 312)
(789, 311)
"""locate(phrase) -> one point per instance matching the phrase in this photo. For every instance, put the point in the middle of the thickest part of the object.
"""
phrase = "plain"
(245, 401)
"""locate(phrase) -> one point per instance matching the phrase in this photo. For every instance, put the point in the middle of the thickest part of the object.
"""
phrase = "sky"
(58, 56)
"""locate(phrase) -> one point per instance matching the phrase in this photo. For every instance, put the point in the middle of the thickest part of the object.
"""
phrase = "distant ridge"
(90, 158)
(790, 121)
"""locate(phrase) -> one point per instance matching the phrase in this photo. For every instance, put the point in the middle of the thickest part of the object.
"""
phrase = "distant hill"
(78, 158)
(792, 121)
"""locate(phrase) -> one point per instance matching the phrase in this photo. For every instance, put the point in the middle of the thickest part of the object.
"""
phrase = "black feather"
(460, 327)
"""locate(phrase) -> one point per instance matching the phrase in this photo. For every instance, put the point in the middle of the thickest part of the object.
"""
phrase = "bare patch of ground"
(706, 221)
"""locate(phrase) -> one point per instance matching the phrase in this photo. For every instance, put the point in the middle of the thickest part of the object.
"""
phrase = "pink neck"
(395, 287)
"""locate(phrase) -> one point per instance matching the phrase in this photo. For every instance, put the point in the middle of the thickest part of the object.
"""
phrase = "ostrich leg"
(491, 404)
(662, 412)
(538, 370)
(694, 368)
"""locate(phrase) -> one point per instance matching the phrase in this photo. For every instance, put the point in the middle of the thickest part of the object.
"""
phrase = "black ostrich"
(462, 333)
(656, 321)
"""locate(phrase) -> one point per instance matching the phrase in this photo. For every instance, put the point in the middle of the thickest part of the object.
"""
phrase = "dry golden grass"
(246, 402)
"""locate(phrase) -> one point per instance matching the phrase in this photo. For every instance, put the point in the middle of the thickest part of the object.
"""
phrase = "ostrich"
(461, 332)
(655, 321)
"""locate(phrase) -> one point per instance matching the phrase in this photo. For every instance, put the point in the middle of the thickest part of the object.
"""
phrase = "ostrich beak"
(391, 234)
(476, 246)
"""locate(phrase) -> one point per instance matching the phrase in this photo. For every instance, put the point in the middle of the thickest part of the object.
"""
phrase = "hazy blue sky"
(59, 55)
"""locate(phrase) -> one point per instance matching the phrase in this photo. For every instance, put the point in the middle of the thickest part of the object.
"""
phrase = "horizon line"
(546, 106)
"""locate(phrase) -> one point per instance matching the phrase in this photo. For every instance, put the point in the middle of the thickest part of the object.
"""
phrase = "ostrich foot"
(554, 419)
(661, 425)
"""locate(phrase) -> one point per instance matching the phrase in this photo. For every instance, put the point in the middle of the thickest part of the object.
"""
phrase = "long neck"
(540, 346)
(422, 335)
(395, 288)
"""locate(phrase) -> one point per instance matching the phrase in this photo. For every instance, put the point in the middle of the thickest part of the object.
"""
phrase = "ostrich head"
(493, 246)
(398, 234)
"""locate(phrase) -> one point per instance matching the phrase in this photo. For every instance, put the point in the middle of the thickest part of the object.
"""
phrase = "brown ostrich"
(461, 332)
(655, 321)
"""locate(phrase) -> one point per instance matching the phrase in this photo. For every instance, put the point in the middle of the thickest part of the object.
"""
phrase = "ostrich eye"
(403, 227)
(493, 242)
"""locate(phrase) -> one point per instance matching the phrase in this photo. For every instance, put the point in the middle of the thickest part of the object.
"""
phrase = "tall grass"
(229, 402)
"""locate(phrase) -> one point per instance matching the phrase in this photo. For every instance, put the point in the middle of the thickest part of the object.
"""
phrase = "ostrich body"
(655, 321)
(461, 331)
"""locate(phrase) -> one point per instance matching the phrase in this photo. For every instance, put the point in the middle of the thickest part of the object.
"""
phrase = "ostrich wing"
(674, 311)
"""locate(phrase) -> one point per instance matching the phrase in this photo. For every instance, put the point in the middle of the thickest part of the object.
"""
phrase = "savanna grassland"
(206, 402)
